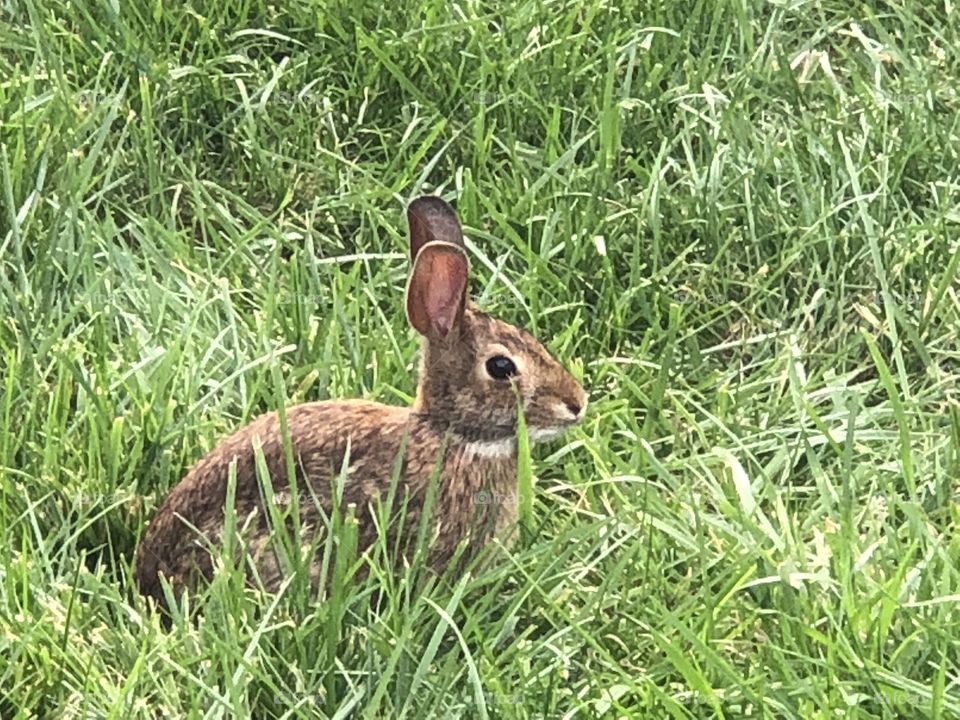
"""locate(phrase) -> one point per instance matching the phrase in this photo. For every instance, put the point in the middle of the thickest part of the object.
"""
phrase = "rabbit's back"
(191, 518)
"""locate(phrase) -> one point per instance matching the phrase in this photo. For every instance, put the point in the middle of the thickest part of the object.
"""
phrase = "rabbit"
(459, 432)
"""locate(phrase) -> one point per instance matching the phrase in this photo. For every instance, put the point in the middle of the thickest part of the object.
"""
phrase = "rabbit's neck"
(479, 441)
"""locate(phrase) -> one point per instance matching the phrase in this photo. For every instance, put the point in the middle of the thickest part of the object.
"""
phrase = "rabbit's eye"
(501, 367)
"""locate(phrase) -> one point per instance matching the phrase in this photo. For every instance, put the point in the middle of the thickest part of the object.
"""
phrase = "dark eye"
(501, 367)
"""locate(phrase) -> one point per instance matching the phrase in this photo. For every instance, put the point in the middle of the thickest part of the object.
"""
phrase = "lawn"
(737, 220)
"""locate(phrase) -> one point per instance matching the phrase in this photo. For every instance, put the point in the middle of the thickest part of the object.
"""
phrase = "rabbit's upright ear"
(432, 220)
(437, 291)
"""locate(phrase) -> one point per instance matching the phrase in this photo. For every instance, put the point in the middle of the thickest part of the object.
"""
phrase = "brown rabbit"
(473, 369)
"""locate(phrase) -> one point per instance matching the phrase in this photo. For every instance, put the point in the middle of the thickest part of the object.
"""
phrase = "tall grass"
(737, 220)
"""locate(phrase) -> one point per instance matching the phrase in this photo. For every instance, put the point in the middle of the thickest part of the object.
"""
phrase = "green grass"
(739, 219)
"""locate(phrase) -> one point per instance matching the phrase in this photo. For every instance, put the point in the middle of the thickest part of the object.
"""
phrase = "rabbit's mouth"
(565, 415)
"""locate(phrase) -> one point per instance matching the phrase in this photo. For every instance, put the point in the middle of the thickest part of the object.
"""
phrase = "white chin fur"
(491, 449)
(497, 449)
(543, 434)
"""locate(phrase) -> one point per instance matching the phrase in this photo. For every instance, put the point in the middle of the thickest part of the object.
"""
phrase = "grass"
(740, 220)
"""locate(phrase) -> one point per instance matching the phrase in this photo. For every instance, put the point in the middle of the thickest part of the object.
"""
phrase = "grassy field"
(739, 220)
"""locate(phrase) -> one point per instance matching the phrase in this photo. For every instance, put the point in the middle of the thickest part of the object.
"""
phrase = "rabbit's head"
(473, 368)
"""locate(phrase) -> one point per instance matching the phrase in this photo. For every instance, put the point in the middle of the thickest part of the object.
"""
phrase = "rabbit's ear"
(437, 290)
(432, 220)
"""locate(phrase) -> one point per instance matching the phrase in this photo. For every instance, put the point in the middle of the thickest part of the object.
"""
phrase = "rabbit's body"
(474, 370)
(475, 490)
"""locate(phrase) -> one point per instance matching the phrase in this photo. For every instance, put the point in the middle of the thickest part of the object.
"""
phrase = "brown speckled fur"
(458, 407)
